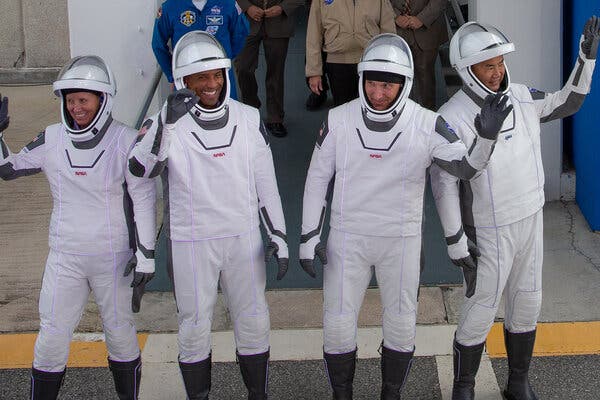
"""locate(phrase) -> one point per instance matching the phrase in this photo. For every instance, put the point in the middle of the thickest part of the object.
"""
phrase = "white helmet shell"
(199, 51)
(386, 53)
(88, 73)
(473, 43)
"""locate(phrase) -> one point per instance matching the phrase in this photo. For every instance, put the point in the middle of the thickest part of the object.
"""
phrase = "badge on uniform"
(328, 2)
(187, 18)
(212, 29)
(215, 10)
(214, 20)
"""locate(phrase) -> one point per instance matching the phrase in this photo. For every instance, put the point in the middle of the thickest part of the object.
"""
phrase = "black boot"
(127, 376)
(45, 385)
(466, 364)
(519, 348)
(395, 366)
(196, 378)
(340, 369)
(255, 372)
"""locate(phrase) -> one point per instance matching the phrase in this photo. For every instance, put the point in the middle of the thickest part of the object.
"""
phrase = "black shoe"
(197, 378)
(255, 373)
(276, 129)
(340, 369)
(315, 101)
(127, 377)
(45, 385)
(519, 348)
(466, 363)
(395, 366)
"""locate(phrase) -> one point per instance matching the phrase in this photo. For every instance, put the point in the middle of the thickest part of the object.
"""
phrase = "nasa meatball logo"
(187, 18)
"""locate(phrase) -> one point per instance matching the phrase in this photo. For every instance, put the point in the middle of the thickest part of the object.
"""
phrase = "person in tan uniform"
(422, 24)
(342, 29)
(272, 23)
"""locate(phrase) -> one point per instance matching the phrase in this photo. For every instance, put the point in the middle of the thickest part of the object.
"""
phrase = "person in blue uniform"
(221, 18)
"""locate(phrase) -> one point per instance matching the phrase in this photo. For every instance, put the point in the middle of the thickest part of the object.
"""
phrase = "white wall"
(120, 32)
(535, 26)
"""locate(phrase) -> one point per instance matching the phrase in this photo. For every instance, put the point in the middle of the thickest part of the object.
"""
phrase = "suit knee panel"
(51, 350)
(194, 340)
(121, 342)
(252, 332)
(475, 323)
(399, 330)
(339, 332)
(526, 308)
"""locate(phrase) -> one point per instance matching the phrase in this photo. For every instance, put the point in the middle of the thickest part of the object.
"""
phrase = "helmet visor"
(87, 73)
(476, 42)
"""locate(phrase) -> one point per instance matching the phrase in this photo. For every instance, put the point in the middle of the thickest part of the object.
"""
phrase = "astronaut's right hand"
(469, 268)
(493, 113)
(4, 119)
(310, 251)
(143, 272)
(180, 103)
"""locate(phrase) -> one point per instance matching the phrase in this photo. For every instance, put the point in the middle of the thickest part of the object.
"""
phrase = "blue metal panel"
(584, 124)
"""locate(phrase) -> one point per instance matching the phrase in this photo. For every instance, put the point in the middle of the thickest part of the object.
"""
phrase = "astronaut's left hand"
(591, 38)
(140, 279)
(4, 119)
(469, 268)
(280, 252)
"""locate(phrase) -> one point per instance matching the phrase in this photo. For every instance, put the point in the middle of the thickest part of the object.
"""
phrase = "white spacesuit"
(502, 207)
(380, 159)
(217, 170)
(92, 230)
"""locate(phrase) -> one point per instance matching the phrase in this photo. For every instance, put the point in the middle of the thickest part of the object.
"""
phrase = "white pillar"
(121, 33)
(535, 26)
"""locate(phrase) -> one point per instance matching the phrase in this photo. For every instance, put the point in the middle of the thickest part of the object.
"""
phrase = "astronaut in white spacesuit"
(379, 148)
(214, 157)
(502, 207)
(92, 229)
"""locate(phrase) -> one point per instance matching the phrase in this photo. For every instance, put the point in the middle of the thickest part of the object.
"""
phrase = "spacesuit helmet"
(199, 51)
(386, 58)
(474, 43)
(86, 74)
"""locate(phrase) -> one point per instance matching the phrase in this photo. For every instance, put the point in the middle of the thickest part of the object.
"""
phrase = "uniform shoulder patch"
(37, 141)
(444, 129)
(323, 131)
(536, 94)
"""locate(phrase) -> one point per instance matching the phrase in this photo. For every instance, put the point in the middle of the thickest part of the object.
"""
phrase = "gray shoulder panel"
(444, 129)
(39, 140)
(323, 131)
(536, 94)
(569, 107)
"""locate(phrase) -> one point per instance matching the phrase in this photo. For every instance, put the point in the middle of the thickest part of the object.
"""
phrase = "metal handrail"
(457, 13)
(149, 97)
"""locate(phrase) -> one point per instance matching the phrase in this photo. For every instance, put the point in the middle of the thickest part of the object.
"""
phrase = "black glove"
(140, 279)
(282, 263)
(3, 113)
(179, 103)
(493, 113)
(307, 264)
(591, 38)
(469, 268)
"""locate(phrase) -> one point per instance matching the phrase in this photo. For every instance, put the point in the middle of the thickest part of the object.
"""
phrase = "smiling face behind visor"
(86, 87)
(201, 64)
(477, 53)
(385, 77)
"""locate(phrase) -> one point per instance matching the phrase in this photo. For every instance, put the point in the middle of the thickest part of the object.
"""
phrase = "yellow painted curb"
(553, 339)
(16, 351)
